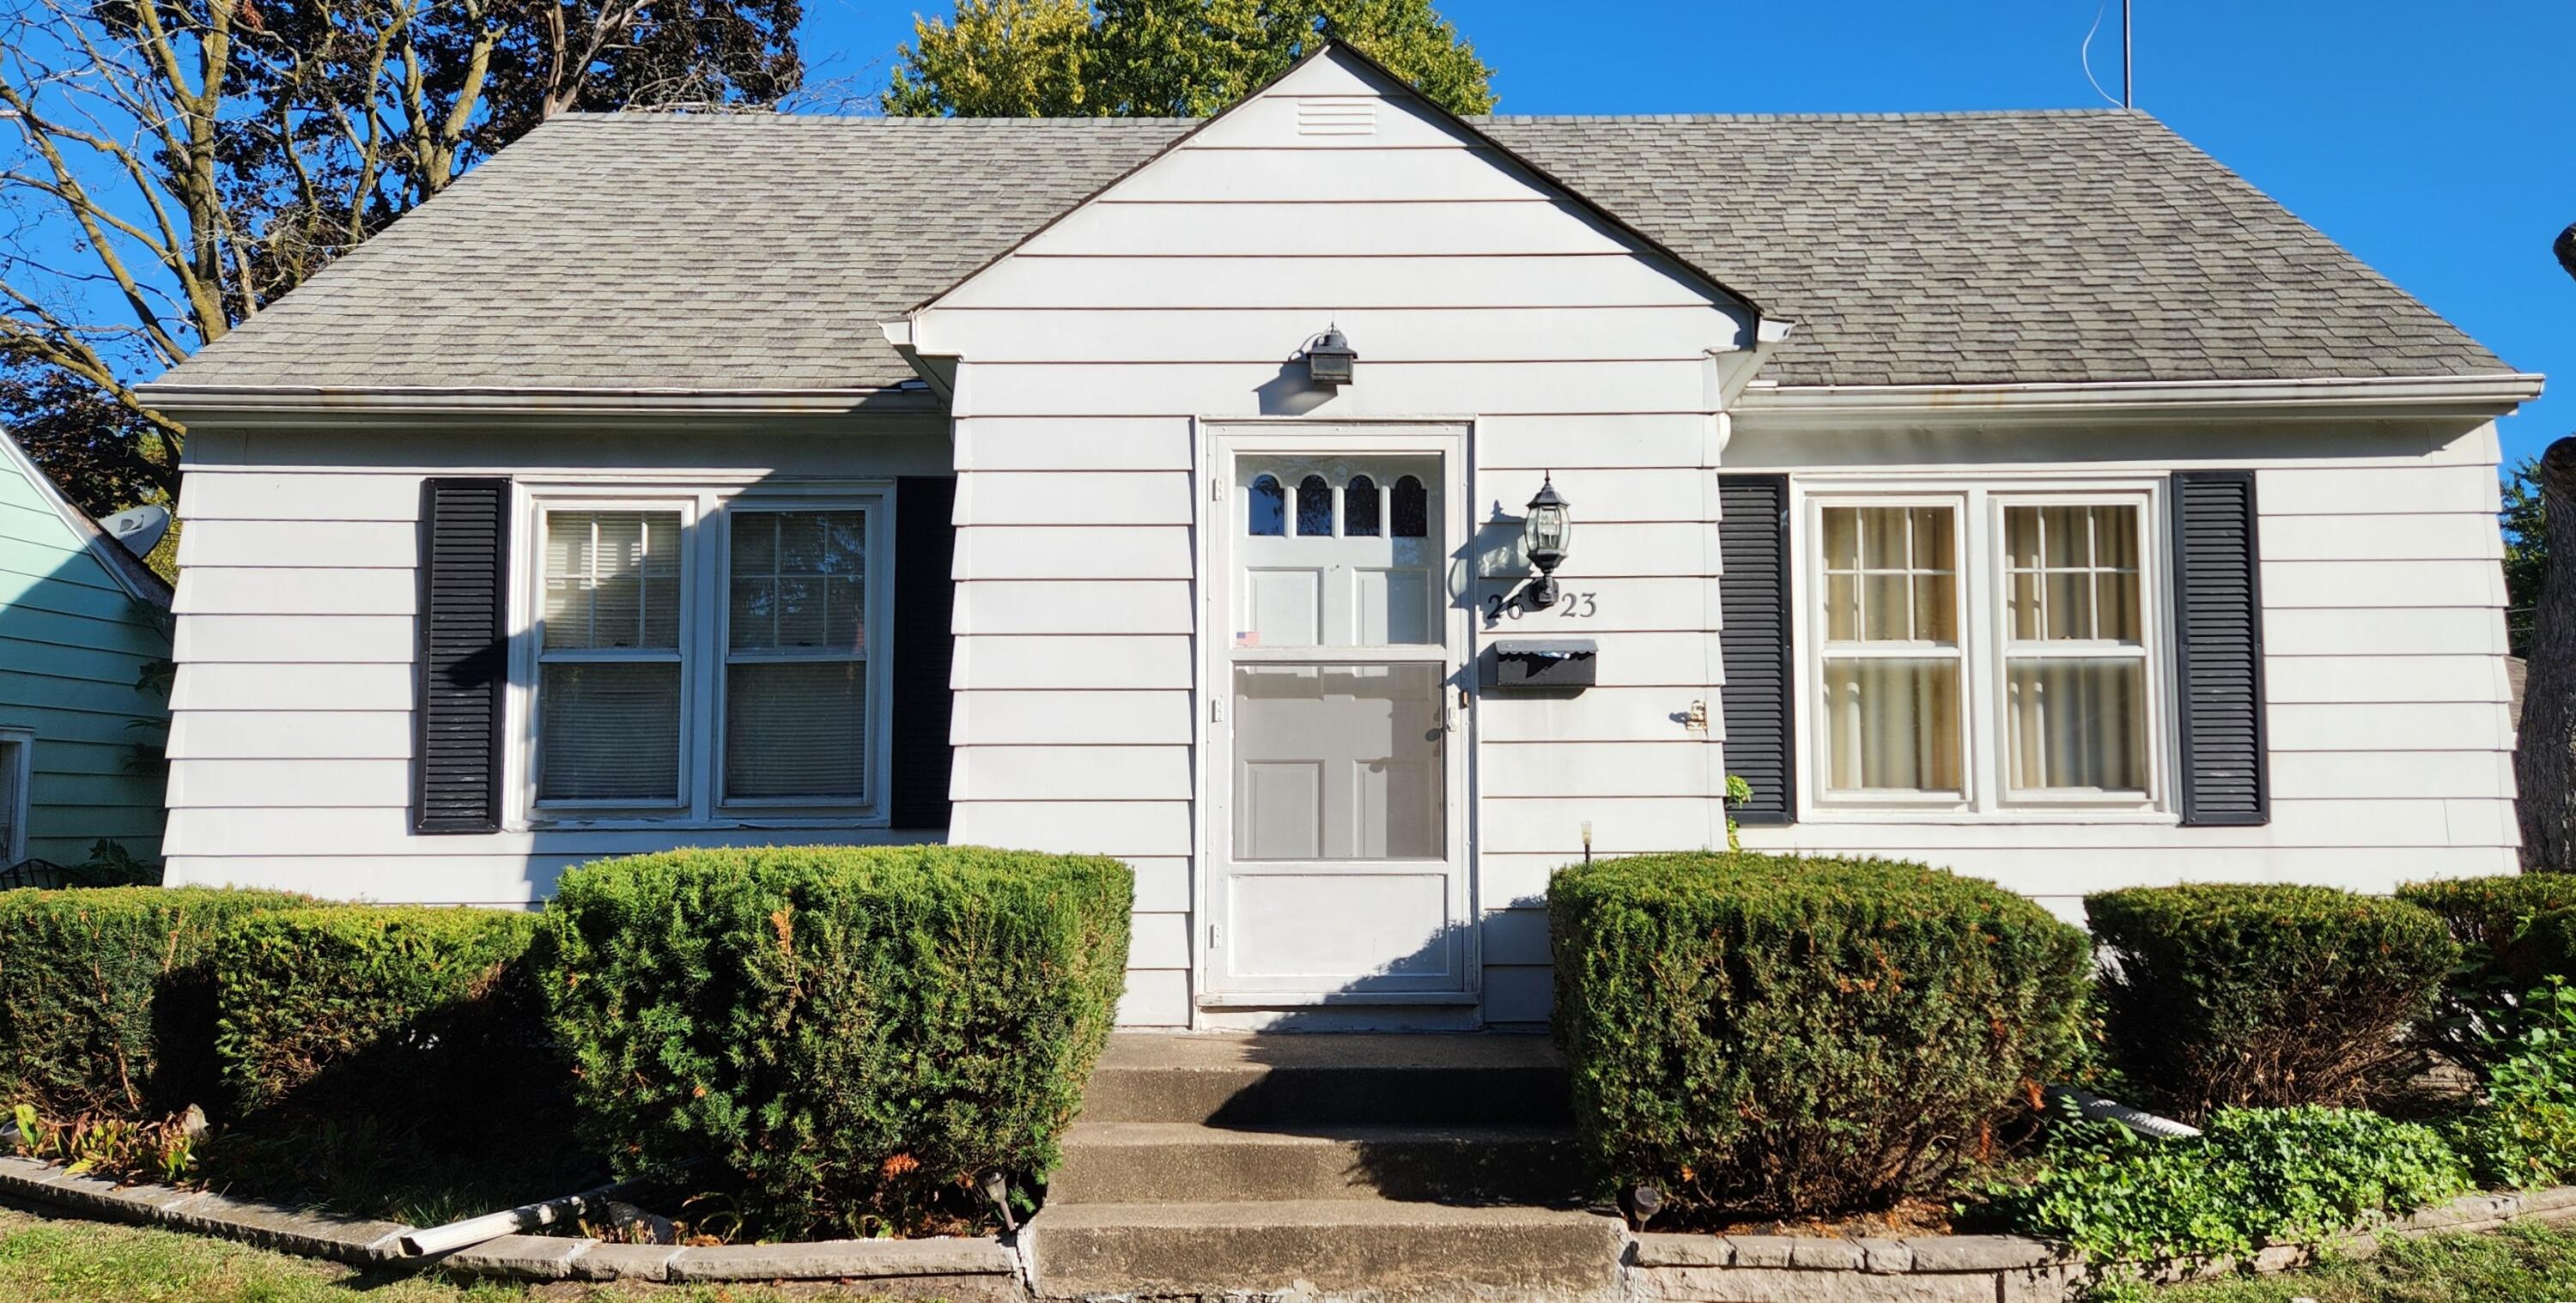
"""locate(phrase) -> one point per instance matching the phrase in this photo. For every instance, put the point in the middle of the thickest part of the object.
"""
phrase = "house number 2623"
(1569, 606)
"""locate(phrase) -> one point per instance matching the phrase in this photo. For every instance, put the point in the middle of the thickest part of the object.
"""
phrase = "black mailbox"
(1541, 663)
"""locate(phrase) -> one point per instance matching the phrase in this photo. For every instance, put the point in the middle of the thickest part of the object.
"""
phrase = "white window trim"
(1980, 496)
(17, 781)
(704, 646)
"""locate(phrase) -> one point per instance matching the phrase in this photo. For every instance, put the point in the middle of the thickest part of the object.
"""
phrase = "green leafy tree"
(2526, 550)
(1182, 58)
(168, 168)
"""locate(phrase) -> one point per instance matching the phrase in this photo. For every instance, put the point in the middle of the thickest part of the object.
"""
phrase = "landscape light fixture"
(1329, 358)
(1545, 534)
(997, 1190)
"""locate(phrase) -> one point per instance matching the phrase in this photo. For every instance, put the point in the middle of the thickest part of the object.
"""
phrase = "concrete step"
(1379, 1251)
(1184, 1162)
(1385, 1079)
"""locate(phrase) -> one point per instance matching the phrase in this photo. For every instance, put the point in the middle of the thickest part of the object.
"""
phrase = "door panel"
(1337, 866)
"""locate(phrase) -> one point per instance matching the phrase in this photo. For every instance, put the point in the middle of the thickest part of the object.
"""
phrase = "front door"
(1338, 855)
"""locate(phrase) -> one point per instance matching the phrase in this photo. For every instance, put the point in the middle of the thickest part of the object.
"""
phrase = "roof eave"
(235, 405)
(2452, 396)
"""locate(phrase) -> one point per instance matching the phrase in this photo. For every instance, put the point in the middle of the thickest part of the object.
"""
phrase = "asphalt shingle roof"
(636, 251)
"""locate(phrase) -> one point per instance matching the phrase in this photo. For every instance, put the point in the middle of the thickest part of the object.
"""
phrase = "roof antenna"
(2128, 61)
(2128, 71)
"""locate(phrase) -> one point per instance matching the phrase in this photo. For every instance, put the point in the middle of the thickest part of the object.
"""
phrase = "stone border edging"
(1684, 1268)
(954, 1264)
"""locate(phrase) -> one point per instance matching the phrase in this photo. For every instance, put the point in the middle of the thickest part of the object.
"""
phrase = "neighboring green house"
(82, 620)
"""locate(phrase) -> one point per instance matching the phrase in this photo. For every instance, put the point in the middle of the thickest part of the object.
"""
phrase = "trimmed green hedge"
(2262, 996)
(2515, 933)
(383, 1011)
(1768, 1033)
(842, 1036)
(107, 1000)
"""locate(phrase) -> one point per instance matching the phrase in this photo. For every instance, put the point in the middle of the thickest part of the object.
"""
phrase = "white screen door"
(1338, 856)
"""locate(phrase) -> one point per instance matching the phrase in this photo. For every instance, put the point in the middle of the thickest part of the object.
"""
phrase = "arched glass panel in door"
(1359, 508)
(1411, 508)
(1269, 508)
(1314, 508)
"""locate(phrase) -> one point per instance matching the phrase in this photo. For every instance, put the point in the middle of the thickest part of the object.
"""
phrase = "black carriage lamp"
(1329, 358)
(1545, 535)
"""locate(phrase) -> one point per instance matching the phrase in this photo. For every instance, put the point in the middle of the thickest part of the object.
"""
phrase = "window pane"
(1890, 574)
(1842, 538)
(2076, 723)
(1359, 508)
(608, 732)
(2115, 537)
(1269, 507)
(2116, 605)
(1409, 506)
(1892, 725)
(2087, 588)
(1338, 762)
(2070, 604)
(612, 579)
(798, 581)
(1314, 507)
(795, 729)
(1842, 608)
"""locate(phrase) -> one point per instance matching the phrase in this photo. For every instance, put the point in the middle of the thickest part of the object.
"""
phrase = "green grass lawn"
(2528, 1263)
(47, 1259)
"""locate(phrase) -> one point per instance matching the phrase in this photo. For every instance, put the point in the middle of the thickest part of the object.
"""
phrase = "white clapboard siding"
(1515, 936)
(1155, 998)
(302, 495)
(1085, 827)
(217, 590)
(1674, 442)
(2413, 584)
(1391, 390)
(1109, 443)
(1119, 606)
(2391, 726)
(2363, 678)
(291, 735)
(1311, 120)
(1518, 995)
(2295, 824)
(1068, 498)
(984, 717)
(1410, 335)
(371, 854)
(2392, 775)
(1518, 879)
(1158, 940)
(1072, 773)
(1324, 176)
(1092, 662)
(1162, 883)
(1630, 660)
(1601, 605)
(2046, 871)
(1623, 550)
(254, 686)
(2434, 631)
(299, 639)
(2323, 490)
(1074, 552)
(1680, 767)
(1621, 825)
(1595, 715)
(253, 784)
(390, 544)
(1547, 280)
(2455, 536)
(1507, 228)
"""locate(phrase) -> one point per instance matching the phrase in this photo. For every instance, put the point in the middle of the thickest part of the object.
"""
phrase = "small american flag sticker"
(1247, 637)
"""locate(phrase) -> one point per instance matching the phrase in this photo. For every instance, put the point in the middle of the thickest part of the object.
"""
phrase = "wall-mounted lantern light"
(1329, 358)
(1545, 534)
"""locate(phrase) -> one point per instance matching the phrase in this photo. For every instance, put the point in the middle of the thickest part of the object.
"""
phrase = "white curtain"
(1892, 724)
(2076, 723)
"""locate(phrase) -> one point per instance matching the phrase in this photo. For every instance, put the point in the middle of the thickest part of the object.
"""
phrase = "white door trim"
(1215, 449)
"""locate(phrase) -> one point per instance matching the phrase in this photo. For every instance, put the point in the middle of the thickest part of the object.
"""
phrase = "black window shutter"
(1753, 615)
(464, 663)
(924, 594)
(2218, 636)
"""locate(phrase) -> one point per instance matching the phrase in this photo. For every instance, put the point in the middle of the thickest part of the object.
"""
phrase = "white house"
(2021, 492)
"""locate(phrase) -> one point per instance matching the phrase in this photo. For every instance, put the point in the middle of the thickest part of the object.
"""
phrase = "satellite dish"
(140, 530)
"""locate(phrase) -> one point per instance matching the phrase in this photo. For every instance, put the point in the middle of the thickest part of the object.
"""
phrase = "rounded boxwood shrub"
(2515, 932)
(386, 1012)
(107, 1001)
(1768, 1033)
(835, 1039)
(2219, 995)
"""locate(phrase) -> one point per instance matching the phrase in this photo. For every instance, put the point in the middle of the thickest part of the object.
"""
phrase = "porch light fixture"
(1329, 358)
(1545, 534)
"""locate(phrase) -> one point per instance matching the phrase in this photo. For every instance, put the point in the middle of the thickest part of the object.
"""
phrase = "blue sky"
(2437, 142)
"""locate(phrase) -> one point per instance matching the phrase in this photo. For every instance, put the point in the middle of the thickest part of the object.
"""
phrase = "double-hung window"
(707, 656)
(1986, 649)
